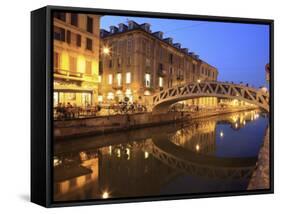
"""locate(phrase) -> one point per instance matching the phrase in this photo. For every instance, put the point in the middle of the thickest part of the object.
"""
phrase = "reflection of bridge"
(199, 164)
(165, 98)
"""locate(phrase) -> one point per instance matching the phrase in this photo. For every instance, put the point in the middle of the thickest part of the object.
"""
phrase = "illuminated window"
(110, 79)
(110, 96)
(100, 98)
(147, 80)
(161, 82)
(119, 79)
(88, 67)
(99, 78)
(128, 77)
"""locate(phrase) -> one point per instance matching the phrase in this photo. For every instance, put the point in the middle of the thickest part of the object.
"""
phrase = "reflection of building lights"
(221, 134)
(146, 155)
(105, 195)
(118, 153)
(244, 122)
(236, 125)
(56, 162)
(128, 152)
(110, 150)
(197, 147)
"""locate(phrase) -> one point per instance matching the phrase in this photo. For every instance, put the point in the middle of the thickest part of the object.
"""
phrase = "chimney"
(132, 25)
(113, 29)
(103, 33)
(122, 27)
(185, 50)
(177, 45)
(158, 34)
(146, 27)
(169, 40)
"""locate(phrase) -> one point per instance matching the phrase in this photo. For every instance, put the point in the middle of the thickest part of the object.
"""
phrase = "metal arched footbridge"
(164, 99)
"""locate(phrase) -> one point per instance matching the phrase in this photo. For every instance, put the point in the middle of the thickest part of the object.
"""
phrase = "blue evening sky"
(238, 51)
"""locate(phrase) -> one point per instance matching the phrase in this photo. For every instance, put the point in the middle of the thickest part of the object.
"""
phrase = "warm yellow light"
(197, 147)
(198, 80)
(110, 79)
(160, 81)
(105, 50)
(81, 64)
(146, 155)
(244, 122)
(100, 98)
(105, 195)
(128, 77)
(236, 125)
(119, 79)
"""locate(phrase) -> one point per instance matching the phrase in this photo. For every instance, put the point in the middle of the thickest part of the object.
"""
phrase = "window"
(129, 46)
(110, 96)
(147, 80)
(88, 67)
(89, 44)
(160, 67)
(59, 33)
(56, 60)
(59, 15)
(110, 79)
(128, 77)
(72, 64)
(110, 65)
(119, 61)
(171, 71)
(74, 19)
(160, 82)
(78, 40)
(68, 37)
(90, 24)
(129, 60)
(160, 53)
(171, 58)
(119, 79)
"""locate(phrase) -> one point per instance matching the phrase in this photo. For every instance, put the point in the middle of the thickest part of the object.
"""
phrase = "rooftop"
(132, 25)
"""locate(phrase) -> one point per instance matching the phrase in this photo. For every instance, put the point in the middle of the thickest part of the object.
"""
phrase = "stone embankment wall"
(113, 123)
(261, 176)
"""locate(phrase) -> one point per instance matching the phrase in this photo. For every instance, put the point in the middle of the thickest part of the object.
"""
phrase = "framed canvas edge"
(49, 119)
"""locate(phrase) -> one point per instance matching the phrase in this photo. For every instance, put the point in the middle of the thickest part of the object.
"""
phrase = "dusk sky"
(238, 51)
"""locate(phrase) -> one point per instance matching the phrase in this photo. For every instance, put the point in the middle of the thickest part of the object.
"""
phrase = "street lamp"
(105, 50)
(198, 80)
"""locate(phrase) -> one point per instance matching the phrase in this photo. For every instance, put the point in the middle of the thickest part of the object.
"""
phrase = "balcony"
(117, 87)
(180, 77)
(162, 73)
(76, 76)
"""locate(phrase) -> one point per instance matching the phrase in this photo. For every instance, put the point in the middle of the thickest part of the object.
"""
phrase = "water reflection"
(206, 155)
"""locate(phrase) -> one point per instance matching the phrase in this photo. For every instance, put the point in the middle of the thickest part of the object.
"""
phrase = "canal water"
(210, 155)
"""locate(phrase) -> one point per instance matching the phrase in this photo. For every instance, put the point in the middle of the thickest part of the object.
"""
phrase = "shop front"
(75, 98)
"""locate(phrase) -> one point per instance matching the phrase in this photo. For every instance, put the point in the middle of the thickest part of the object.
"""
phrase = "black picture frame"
(42, 102)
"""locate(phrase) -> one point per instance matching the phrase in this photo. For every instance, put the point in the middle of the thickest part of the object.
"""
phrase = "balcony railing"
(66, 74)
(162, 73)
(180, 77)
(117, 87)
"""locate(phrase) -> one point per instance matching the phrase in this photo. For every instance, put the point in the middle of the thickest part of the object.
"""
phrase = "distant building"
(137, 63)
(76, 58)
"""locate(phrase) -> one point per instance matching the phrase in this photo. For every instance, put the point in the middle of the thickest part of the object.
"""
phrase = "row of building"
(94, 65)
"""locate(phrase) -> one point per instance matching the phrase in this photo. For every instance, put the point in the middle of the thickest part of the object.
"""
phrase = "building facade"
(136, 63)
(76, 58)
